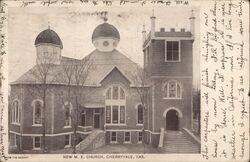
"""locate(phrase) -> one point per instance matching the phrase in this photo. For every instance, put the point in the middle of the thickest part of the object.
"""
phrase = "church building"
(62, 101)
(108, 99)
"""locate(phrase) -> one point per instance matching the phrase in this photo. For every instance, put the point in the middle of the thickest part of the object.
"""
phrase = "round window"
(105, 43)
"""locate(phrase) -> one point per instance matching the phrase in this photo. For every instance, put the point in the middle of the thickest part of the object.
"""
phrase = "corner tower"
(168, 57)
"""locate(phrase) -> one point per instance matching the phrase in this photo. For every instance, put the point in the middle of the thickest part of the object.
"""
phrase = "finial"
(192, 14)
(48, 25)
(153, 13)
(104, 16)
(105, 19)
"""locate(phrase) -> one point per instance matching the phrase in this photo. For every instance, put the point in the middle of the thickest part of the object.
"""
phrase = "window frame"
(137, 115)
(34, 107)
(127, 136)
(111, 103)
(140, 141)
(176, 90)
(83, 113)
(69, 145)
(147, 56)
(112, 136)
(179, 51)
(16, 118)
(34, 144)
(70, 111)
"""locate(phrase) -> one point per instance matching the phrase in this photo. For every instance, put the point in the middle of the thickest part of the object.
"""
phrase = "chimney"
(162, 29)
(143, 34)
(172, 30)
(192, 23)
(152, 25)
(182, 29)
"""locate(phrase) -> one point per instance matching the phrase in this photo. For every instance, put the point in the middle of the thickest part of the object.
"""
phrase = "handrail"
(161, 140)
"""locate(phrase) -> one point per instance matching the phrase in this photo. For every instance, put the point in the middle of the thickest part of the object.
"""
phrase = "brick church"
(42, 111)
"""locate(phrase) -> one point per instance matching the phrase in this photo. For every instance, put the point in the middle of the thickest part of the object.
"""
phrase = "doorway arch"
(172, 116)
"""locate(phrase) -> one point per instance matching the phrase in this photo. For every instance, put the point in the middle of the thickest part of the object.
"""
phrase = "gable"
(115, 76)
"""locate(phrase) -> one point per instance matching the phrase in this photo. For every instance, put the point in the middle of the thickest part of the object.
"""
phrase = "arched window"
(37, 112)
(115, 105)
(67, 114)
(172, 89)
(115, 93)
(16, 112)
(140, 114)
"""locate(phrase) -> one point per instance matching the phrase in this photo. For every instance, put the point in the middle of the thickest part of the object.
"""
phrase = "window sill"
(37, 125)
(127, 142)
(36, 149)
(139, 124)
(67, 127)
(172, 98)
(115, 125)
(16, 124)
(84, 126)
(172, 61)
(67, 146)
(139, 142)
(113, 142)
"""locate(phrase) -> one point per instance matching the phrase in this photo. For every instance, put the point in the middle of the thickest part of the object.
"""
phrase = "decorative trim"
(115, 124)
(173, 108)
(123, 130)
(49, 135)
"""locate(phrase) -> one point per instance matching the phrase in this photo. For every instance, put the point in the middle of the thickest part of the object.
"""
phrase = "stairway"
(178, 142)
(94, 140)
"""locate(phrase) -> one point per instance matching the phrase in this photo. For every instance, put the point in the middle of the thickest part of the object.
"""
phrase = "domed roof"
(48, 36)
(105, 30)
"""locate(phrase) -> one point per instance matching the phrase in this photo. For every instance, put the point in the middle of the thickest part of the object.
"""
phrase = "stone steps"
(89, 141)
(178, 142)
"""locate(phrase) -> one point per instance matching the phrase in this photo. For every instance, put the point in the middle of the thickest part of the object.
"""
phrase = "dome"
(48, 36)
(105, 30)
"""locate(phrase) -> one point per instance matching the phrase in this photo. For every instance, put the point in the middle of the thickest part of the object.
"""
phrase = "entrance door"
(96, 120)
(172, 120)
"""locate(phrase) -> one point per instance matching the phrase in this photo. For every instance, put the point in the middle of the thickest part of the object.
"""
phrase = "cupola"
(48, 47)
(105, 37)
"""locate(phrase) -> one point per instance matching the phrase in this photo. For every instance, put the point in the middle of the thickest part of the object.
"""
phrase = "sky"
(75, 27)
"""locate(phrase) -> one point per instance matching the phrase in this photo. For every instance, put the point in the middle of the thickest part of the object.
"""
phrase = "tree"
(197, 107)
(43, 75)
(75, 73)
(141, 82)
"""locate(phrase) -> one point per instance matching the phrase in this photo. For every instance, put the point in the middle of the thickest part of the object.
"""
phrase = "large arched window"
(139, 114)
(37, 112)
(67, 114)
(172, 89)
(115, 105)
(16, 113)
